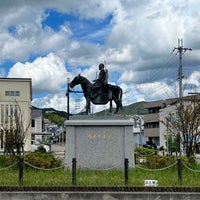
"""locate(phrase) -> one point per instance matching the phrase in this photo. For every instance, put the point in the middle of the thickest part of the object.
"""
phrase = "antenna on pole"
(181, 50)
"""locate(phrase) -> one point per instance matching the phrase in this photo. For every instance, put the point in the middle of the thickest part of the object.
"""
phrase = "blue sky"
(83, 29)
(51, 40)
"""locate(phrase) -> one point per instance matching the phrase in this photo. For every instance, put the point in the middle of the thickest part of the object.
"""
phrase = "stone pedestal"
(99, 143)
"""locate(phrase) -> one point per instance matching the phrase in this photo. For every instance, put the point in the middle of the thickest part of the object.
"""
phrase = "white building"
(165, 112)
(15, 95)
(138, 130)
(39, 126)
(158, 112)
(154, 130)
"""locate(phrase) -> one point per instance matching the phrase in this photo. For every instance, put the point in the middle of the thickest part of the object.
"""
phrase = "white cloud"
(48, 73)
(141, 36)
(56, 101)
(157, 90)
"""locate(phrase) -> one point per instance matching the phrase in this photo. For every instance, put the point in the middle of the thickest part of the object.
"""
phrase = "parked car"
(35, 145)
(150, 145)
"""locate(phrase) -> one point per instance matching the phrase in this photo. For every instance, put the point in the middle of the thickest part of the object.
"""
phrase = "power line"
(163, 67)
(156, 73)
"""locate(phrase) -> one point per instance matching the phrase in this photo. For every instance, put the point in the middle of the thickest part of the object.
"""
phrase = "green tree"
(55, 118)
(173, 143)
(184, 122)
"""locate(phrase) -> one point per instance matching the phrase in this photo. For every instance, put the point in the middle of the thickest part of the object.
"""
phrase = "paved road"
(58, 150)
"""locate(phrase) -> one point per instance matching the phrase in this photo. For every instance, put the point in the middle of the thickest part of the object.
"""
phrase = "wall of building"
(153, 128)
(164, 112)
(15, 94)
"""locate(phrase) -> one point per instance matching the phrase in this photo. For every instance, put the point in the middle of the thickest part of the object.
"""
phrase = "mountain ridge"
(59, 117)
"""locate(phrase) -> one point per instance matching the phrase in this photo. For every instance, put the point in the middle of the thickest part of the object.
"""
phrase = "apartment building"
(154, 130)
(15, 94)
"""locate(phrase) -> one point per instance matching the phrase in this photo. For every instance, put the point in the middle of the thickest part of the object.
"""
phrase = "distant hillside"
(135, 109)
(53, 115)
(52, 110)
(58, 117)
(132, 109)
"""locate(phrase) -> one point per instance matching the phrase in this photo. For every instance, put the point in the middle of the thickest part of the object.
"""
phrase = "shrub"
(158, 161)
(37, 159)
(7, 160)
(43, 160)
(190, 161)
(141, 151)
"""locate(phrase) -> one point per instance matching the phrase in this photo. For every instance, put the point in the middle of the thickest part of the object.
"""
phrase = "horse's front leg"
(89, 110)
(110, 106)
(87, 106)
(118, 105)
(117, 109)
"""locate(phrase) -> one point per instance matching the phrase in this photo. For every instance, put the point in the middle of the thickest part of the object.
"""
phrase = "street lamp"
(67, 94)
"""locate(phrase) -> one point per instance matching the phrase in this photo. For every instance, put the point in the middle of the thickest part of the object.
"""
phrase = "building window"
(153, 110)
(12, 93)
(152, 125)
(6, 114)
(33, 123)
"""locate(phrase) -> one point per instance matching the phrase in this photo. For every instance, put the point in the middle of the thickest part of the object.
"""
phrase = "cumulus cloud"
(48, 73)
(137, 46)
(56, 101)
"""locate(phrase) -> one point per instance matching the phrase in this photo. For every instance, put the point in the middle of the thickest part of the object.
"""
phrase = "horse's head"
(75, 81)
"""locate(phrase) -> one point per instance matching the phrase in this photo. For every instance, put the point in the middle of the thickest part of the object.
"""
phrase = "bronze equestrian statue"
(99, 93)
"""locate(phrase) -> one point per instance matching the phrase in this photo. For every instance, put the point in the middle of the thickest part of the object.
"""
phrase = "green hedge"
(141, 151)
(38, 159)
(152, 161)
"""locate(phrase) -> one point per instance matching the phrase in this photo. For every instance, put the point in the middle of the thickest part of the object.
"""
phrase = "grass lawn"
(34, 175)
(62, 177)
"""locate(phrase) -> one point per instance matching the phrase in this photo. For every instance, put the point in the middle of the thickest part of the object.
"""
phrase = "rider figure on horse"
(101, 82)
(102, 78)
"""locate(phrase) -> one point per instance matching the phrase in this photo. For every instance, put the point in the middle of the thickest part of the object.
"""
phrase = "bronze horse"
(98, 97)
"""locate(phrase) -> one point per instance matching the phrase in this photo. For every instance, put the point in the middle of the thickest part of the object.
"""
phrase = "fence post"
(126, 170)
(73, 171)
(135, 157)
(21, 170)
(180, 170)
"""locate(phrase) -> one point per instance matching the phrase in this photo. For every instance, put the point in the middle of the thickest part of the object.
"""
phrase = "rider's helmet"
(101, 66)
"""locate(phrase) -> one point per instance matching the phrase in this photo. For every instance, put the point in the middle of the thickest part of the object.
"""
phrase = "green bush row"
(147, 158)
(37, 159)
(141, 151)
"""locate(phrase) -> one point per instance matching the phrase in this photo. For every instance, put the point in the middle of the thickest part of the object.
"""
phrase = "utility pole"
(67, 94)
(181, 50)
